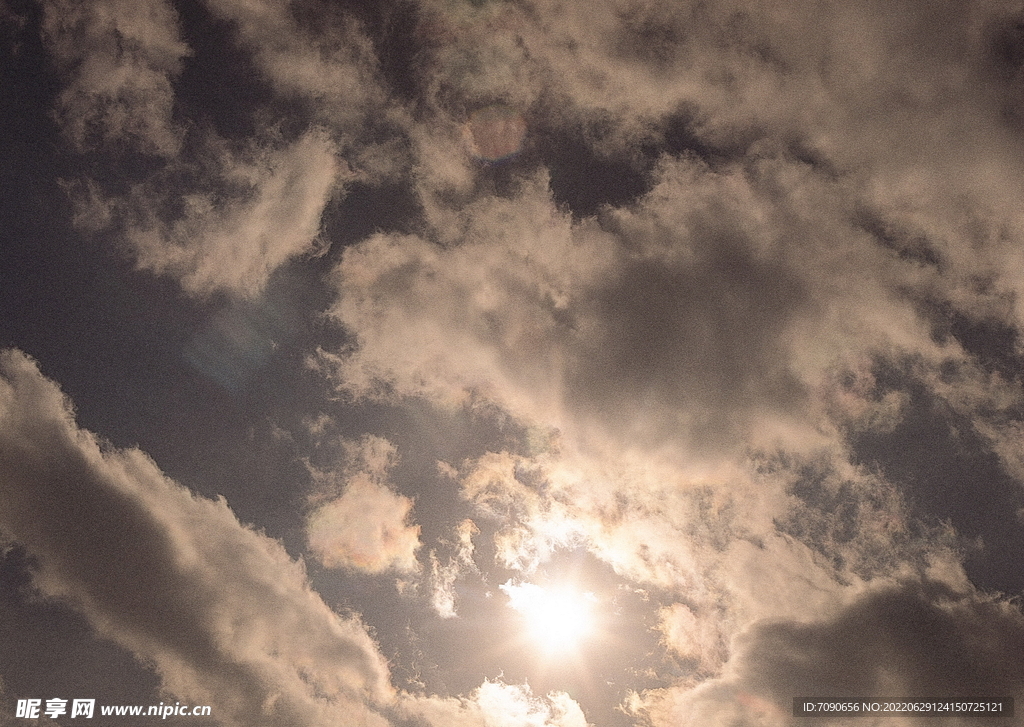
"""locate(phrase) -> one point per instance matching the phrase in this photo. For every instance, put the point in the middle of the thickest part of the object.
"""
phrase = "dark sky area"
(454, 363)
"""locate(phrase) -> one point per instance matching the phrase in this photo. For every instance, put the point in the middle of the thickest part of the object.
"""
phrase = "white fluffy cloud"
(357, 520)
(495, 704)
(365, 528)
(663, 343)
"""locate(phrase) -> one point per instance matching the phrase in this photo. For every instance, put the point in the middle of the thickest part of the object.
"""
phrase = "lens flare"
(495, 132)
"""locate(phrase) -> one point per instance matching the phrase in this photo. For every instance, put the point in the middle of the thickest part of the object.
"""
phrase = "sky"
(481, 363)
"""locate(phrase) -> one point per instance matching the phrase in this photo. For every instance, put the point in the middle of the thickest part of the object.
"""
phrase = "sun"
(557, 619)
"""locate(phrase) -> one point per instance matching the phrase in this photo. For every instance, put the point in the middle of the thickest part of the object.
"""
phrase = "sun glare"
(556, 619)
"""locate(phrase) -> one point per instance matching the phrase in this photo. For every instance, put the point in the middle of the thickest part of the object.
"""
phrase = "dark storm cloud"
(915, 640)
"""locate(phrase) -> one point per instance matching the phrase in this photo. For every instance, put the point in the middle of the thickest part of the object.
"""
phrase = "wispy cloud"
(122, 59)
(252, 206)
(274, 216)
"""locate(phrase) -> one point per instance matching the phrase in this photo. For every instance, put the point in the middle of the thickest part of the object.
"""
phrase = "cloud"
(223, 613)
(254, 211)
(915, 114)
(495, 704)
(367, 526)
(236, 247)
(700, 319)
(443, 596)
(909, 640)
(692, 638)
(796, 540)
(366, 529)
(664, 342)
(703, 358)
(442, 582)
(213, 213)
(122, 58)
(826, 205)
(313, 52)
